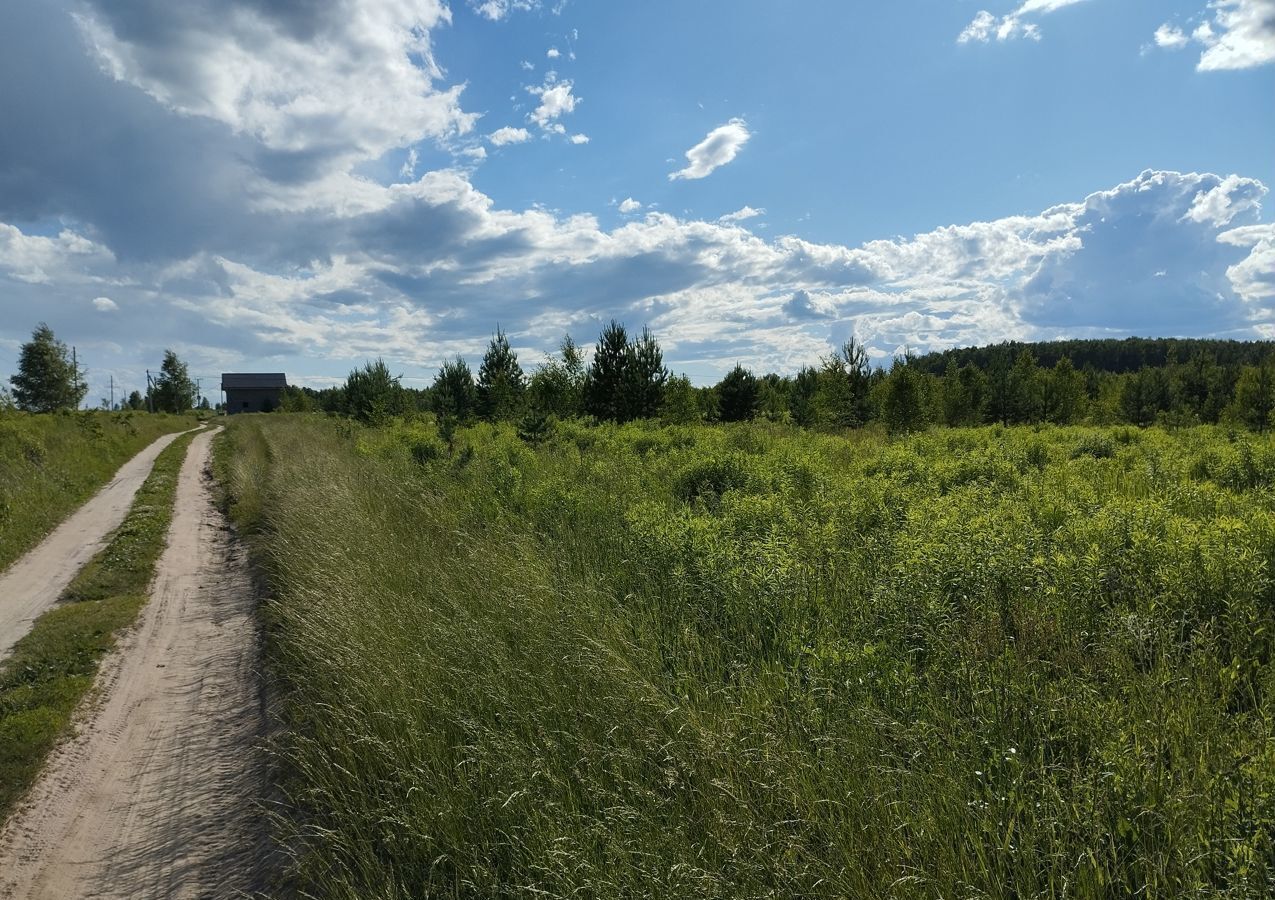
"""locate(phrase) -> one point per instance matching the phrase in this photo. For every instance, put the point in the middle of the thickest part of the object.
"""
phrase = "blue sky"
(279, 184)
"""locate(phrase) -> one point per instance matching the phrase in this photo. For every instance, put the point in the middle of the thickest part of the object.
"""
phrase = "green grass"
(50, 464)
(51, 668)
(756, 662)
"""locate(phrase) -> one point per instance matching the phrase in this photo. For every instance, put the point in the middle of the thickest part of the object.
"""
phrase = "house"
(253, 391)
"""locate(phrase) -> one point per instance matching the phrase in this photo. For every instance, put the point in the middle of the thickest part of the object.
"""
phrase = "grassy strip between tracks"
(53, 667)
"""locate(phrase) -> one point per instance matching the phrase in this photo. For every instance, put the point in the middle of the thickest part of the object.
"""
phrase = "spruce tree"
(47, 379)
(501, 382)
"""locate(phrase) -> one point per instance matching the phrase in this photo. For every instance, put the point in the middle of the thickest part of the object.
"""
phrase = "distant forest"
(1115, 355)
(1134, 381)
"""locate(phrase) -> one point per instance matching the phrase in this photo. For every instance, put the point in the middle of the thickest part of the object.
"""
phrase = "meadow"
(754, 661)
(50, 464)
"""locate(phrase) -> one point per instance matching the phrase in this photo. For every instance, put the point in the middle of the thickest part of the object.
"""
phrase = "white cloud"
(1245, 35)
(630, 206)
(349, 79)
(508, 135)
(579, 139)
(475, 152)
(495, 10)
(552, 53)
(1241, 35)
(720, 147)
(409, 165)
(527, 66)
(1254, 276)
(423, 269)
(986, 26)
(741, 215)
(1219, 205)
(1170, 37)
(68, 258)
(105, 304)
(556, 100)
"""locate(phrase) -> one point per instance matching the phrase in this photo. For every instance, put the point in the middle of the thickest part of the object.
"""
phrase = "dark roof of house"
(241, 380)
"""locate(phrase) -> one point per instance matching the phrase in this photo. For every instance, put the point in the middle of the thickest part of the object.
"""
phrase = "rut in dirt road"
(33, 583)
(156, 796)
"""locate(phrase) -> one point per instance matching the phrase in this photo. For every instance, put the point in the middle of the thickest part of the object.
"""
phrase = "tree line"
(49, 379)
(1187, 382)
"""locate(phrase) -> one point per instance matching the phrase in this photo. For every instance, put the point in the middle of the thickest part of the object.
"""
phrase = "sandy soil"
(33, 583)
(155, 797)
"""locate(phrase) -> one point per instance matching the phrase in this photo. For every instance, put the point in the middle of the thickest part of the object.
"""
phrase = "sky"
(305, 185)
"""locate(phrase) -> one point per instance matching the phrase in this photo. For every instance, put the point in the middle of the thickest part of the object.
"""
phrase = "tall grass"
(749, 662)
(50, 464)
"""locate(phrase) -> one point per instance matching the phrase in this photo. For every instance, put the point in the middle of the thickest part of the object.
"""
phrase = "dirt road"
(33, 583)
(155, 796)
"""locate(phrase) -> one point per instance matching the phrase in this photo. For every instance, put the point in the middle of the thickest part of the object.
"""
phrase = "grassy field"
(755, 662)
(52, 667)
(50, 464)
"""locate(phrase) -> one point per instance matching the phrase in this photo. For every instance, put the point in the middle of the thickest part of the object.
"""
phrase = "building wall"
(242, 400)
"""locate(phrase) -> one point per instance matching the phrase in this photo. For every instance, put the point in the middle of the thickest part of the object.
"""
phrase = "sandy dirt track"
(155, 797)
(33, 583)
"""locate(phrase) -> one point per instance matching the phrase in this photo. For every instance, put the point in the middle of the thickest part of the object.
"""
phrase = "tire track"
(156, 796)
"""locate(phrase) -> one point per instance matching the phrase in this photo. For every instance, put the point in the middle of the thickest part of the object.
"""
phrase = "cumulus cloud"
(1016, 24)
(429, 265)
(579, 139)
(742, 215)
(1244, 38)
(630, 206)
(552, 53)
(508, 135)
(1253, 277)
(105, 304)
(346, 79)
(556, 101)
(1170, 37)
(1241, 35)
(720, 147)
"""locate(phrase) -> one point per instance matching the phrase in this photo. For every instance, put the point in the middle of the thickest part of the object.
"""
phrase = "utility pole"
(112, 390)
(75, 376)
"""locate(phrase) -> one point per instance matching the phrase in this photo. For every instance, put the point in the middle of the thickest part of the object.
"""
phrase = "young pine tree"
(904, 404)
(501, 382)
(373, 395)
(645, 377)
(1255, 397)
(454, 397)
(738, 395)
(46, 379)
(605, 382)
